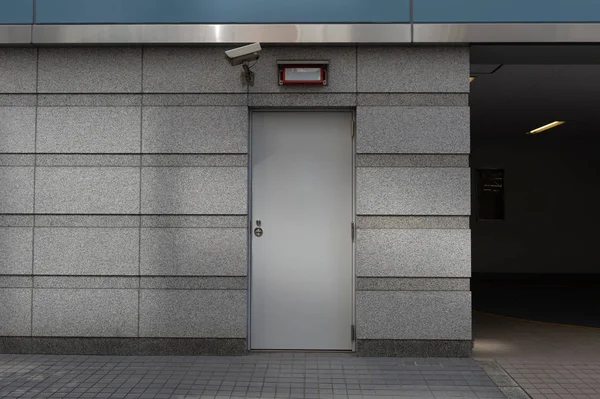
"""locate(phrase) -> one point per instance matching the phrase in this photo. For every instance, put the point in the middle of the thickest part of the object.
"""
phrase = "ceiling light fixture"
(546, 127)
(472, 78)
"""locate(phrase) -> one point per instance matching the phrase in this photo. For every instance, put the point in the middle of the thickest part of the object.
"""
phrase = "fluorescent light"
(546, 127)
(472, 78)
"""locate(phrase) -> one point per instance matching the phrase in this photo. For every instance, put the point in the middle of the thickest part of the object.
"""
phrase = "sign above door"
(303, 72)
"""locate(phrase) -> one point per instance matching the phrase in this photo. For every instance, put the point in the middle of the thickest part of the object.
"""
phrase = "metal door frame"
(251, 111)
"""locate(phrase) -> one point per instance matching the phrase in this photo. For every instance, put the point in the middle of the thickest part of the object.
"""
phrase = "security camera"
(244, 54)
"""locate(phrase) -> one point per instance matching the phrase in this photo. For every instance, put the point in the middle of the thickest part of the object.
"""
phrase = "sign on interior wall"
(490, 194)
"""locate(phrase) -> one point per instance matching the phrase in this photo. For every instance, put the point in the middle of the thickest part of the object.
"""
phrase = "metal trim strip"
(217, 34)
(300, 33)
(507, 33)
(15, 34)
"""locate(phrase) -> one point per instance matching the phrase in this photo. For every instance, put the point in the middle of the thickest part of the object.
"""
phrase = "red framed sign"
(305, 73)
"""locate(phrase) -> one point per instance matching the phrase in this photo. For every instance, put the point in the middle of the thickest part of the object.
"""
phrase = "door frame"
(251, 111)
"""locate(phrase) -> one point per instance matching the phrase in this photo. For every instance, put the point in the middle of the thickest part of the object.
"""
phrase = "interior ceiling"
(519, 97)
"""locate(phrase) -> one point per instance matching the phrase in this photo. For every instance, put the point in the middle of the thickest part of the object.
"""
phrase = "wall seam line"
(412, 23)
(139, 290)
(37, 73)
(248, 298)
(355, 83)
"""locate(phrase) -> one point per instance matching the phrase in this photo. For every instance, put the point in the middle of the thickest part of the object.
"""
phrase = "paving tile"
(260, 376)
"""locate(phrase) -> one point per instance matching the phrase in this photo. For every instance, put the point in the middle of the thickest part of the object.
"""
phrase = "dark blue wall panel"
(506, 10)
(220, 11)
(16, 11)
(296, 11)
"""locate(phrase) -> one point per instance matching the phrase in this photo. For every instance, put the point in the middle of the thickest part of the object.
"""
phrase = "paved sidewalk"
(260, 375)
(551, 380)
(547, 361)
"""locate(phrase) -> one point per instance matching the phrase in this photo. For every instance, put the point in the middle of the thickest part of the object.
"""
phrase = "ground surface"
(548, 361)
(253, 376)
(515, 359)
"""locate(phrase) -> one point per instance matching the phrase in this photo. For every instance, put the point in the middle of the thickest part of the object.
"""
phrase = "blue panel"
(506, 10)
(16, 11)
(221, 11)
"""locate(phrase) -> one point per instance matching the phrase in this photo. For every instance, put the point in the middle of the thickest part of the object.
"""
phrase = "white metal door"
(301, 284)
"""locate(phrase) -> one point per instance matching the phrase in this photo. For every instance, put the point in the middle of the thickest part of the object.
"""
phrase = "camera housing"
(243, 54)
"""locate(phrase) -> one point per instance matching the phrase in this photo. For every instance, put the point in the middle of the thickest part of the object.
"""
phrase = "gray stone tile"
(86, 251)
(18, 100)
(240, 99)
(18, 70)
(189, 70)
(413, 69)
(15, 311)
(85, 346)
(195, 129)
(16, 195)
(15, 345)
(16, 247)
(87, 190)
(89, 100)
(172, 371)
(193, 347)
(341, 69)
(413, 253)
(424, 130)
(195, 160)
(410, 315)
(90, 70)
(17, 159)
(87, 160)
(194, 221)
(85, 282)
(88, 129)
(194, 251)
(514, 393)
(411, 160)
(170, 190)
(413, 99)
(197, 314)
(302, 100)
(85, 312)
(17, 129)
(86, 221)
(412, 222)
(413, 191)
(16, 282)
(194, 283)
(411, 284)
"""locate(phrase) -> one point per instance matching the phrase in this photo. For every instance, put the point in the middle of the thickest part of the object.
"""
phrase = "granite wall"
(123, 208)
(413, 243)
